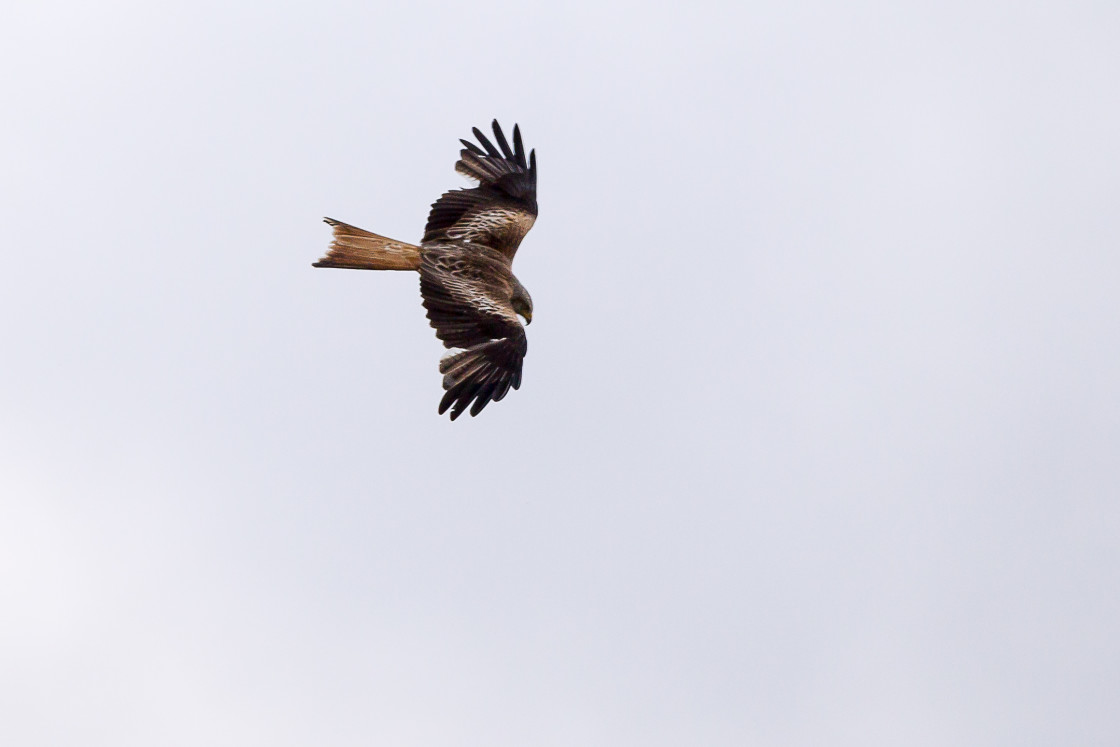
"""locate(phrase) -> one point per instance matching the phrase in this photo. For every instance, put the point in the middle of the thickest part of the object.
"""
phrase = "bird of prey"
(465, 263)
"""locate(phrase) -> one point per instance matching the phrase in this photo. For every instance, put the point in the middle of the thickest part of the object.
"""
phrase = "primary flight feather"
(465, 261)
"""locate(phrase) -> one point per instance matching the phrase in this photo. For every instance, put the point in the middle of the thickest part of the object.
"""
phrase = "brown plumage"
(356, 249)
(465, 262)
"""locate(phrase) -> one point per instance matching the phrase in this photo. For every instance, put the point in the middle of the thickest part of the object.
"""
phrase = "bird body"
(465, 261)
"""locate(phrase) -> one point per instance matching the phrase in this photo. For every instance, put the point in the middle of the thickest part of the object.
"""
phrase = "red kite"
(465, 262)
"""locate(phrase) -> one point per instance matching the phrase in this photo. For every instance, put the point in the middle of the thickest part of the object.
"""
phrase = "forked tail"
(355, 249)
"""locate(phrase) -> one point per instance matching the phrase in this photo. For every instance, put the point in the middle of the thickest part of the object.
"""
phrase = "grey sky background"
(818, 438)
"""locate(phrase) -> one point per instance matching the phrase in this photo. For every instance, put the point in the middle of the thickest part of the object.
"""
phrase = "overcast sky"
(819, 436)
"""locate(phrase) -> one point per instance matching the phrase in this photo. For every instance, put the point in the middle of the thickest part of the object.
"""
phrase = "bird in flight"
(465, 261)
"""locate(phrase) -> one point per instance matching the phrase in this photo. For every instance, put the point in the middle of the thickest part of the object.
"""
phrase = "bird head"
(522, 302)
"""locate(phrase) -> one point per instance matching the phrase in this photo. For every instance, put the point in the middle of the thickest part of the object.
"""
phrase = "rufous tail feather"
(355, 249)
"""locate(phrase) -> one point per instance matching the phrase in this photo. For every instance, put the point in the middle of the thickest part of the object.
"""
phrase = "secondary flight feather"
(465, 261)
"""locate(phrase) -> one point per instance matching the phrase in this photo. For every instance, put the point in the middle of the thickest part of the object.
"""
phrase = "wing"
(466, 291)
(502, 208)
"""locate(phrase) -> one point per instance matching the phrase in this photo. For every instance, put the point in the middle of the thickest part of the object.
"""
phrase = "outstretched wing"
(502, 208)
(466, 292)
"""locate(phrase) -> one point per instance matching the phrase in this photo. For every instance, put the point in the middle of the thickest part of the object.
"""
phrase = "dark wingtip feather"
(461, 403)
(533, 160)
(501, 138)
(489, 146)
(518, 147)
(472, 147)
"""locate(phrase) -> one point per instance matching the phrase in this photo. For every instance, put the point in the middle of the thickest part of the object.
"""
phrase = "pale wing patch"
(499, 226)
